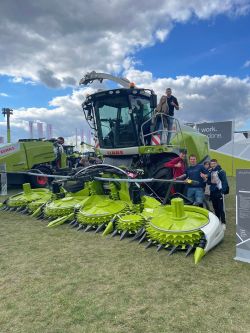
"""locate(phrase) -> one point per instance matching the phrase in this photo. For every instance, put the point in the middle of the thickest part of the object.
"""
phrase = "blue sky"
(201, 50)
(28, 95)
(219, 45)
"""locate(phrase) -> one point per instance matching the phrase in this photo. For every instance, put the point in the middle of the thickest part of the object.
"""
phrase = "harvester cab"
(124, 118)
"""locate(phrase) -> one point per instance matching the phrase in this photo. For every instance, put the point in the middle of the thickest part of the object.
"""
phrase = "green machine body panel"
(23, 156)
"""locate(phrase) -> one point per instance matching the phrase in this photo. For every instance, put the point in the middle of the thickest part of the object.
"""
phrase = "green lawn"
(64, 281)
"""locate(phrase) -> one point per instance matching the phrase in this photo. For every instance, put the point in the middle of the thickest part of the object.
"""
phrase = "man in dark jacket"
(217, 180)
(172, 105)
(196, 172)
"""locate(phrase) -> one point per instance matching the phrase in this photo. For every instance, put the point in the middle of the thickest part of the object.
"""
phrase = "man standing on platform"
(172, 105)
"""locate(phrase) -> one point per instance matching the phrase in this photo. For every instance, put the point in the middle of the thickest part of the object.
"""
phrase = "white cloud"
(56, 41)
(4, 94)
(17, 80)
(161, 34)
(193, 97)
(205, 98)
(247, 64)
(21, 80)
(64, 113)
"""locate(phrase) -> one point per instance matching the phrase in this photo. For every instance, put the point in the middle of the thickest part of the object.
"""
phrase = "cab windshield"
(119, 119)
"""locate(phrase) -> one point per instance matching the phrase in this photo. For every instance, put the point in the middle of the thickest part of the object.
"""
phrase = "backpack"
(227, 189)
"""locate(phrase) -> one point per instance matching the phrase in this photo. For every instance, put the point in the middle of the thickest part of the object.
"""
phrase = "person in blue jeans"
(197, 172)
(172, 105)
(217, 179)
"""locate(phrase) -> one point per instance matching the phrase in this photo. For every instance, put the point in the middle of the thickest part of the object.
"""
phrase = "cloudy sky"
(199, 49)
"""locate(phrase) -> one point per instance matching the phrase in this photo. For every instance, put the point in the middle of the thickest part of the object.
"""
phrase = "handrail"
(163, 128)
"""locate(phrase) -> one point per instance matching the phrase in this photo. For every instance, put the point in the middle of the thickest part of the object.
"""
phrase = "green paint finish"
(143, 150)
(29, 155)
(8, 135)
(229, 163)
(109, 229)
(195, 143)
(27, 188)
(61, 220)
(198, 255)
(137, 216)
(99, 209)
(23, 199)
(130, 222)
(149, 205)
(177, 225)
(64, 206)
(37, 212)
(34, 205)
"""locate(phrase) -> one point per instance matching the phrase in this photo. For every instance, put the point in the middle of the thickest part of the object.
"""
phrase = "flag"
(49, 131)
(31, 129)
(40, 130)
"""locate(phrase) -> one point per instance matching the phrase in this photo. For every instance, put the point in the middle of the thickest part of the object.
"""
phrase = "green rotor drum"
(27, 196)
(64, 206)
(34, 205)
(100, 209)
(177, 225)
(130, 222)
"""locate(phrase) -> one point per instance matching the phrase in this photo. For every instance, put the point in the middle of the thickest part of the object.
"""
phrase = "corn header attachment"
(114, 204)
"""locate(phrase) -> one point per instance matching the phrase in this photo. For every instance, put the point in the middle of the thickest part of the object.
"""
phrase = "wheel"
(40, 181)
(73, 186)
(161, 188)
(157, 170)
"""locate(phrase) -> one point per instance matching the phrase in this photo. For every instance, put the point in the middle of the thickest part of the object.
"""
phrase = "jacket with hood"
(217, 179)
(162, 107)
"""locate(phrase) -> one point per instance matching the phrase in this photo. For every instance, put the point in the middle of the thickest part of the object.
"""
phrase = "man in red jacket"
(178, 166)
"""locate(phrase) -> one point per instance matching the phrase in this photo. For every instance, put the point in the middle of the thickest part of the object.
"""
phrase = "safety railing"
(162, 129)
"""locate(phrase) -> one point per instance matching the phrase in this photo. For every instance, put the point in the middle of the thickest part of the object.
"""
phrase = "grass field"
(64, 281)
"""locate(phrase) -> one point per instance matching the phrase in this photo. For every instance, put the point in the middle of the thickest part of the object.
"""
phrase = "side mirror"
(153, 101)
(89, 115)
(87, 109)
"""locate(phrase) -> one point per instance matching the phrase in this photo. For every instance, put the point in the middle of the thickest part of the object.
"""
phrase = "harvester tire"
(161, 188)
(39, 181)
(74, 186)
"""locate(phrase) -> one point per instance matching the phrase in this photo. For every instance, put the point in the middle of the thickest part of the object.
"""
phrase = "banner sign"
(243, 215)
(218, 133)
(8, 149)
